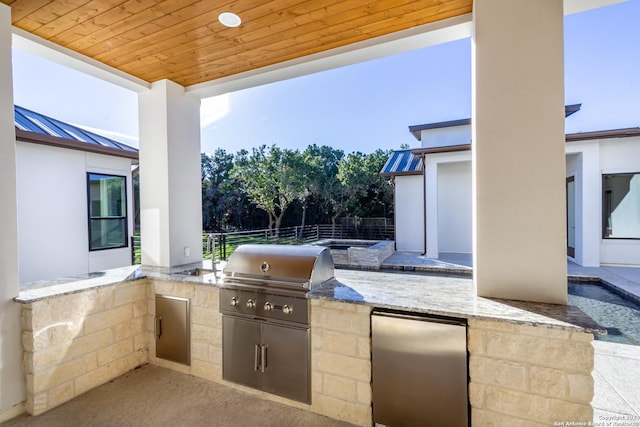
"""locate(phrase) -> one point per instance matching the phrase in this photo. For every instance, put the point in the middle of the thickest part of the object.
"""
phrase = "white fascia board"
(43, 48)
(575, 6)
(401, 41)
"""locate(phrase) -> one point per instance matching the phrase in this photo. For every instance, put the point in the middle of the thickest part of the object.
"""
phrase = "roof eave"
(416, 130)
(38, 138)
(603, 134)
(392, 174)
(436, 150)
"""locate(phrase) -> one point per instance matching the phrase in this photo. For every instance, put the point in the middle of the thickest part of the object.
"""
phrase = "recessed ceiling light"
(229, 19)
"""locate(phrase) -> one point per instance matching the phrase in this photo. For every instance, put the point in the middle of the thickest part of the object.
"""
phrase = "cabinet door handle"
(263, 356)
(257, 360)
(158, 327)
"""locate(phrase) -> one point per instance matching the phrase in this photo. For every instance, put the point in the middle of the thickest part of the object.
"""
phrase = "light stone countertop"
(35, 291)
(406, 291)
(446, 296)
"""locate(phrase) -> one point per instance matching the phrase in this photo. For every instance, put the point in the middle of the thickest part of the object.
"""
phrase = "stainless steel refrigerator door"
(419, 371)
(241, 351)
(286, 361)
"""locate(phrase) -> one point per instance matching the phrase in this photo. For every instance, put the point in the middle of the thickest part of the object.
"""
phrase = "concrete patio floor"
(155, 396)
(616, 378)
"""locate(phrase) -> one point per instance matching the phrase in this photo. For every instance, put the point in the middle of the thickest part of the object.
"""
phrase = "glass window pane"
(621, 206)
(107, 211)
(108, 233)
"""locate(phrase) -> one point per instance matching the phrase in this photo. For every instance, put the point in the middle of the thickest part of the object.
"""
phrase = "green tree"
(320, 165)
(353, 182)
(379, 199)
(220, 198)
(362, 191)
(272, 178)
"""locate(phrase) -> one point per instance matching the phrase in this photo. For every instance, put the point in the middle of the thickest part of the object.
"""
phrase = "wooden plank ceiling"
(182, 40)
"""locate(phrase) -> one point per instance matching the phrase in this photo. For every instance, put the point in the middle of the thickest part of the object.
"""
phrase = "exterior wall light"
(229, 19)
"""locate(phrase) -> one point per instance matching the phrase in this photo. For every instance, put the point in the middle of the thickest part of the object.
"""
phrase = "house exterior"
(75, 199)
(433, 199)
(603, 197)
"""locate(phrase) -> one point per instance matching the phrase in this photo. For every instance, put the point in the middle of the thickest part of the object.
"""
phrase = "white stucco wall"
(583, 163)
(52, 211)
(620, 155)
(445, 137)
(454, 207)
(448, 202)
(448, 199)
(588, 161)
(409, 213)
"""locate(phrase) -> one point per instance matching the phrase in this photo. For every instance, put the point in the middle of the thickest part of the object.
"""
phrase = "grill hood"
(282, 265)
(290, 266)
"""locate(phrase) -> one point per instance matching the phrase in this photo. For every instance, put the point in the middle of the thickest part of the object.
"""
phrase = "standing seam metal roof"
(30, 121)
(402, 162)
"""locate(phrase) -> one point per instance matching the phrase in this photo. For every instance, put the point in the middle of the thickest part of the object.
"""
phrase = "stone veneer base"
(359, 256)
(519, 374)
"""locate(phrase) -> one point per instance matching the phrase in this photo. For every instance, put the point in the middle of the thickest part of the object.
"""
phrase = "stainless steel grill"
(265, 337)
(284, 266)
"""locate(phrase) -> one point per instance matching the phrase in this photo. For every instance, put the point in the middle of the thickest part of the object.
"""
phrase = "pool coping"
(616, 289)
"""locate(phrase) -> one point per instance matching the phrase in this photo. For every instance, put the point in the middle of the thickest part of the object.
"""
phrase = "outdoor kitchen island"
(529, 363)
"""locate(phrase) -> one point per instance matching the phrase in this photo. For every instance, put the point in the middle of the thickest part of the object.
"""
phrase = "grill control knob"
(234, 301)
(251, 303)
(268, 306)
(287, 309)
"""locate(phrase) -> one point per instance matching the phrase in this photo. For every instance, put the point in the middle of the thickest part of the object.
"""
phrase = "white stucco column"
(518, 150)
(591, 208)
(431, 205)
(12, 380)
(170, 186)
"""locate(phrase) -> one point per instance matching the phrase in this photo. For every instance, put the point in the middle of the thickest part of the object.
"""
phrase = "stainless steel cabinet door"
(419, 371)
(286, 361)
(241, 351)
(172, 329)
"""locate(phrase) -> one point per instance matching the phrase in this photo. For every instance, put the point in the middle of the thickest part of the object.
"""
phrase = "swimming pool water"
(621, 317)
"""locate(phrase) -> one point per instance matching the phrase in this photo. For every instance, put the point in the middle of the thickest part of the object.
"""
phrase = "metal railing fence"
(220, 245)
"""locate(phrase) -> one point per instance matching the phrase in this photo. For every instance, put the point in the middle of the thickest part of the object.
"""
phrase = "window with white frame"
(107, 211)
(621, 206)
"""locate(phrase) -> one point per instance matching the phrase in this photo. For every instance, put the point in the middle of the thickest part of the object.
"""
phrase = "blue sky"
(364, 106)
